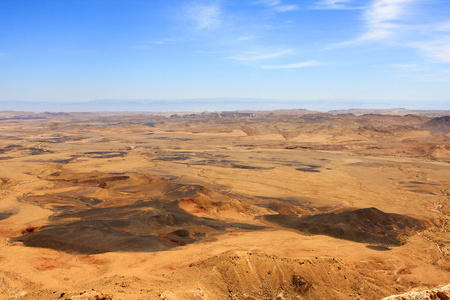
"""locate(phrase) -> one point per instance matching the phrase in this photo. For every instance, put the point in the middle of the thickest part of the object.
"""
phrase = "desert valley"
(288, 204)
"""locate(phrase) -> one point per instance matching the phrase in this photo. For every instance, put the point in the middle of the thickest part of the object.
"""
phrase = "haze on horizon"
(375, 53)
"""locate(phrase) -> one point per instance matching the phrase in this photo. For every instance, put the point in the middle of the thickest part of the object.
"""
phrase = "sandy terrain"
(238, 206)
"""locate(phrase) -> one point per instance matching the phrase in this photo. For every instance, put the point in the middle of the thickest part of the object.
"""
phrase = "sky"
(373, 53)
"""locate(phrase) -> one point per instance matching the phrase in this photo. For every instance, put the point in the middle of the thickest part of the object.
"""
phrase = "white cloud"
(443, 76)
(382, 18)
(410, 70)
(443, 26)
(204, 16)
(256, 56)
(304, 64)
(152, 44)
(334, 4)
(163, 41)
(439, 50)
(285, 8)
(436, 42)
(405, 66)
(386, 19)
(399, 23)
(277, 6)
(422, 73)
(245, 38)
(269, 2)
(385, 10)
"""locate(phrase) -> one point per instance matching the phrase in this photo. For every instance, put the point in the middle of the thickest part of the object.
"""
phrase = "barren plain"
(274, 205)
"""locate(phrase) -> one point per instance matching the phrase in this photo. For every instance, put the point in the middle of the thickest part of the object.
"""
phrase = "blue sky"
(392, 53)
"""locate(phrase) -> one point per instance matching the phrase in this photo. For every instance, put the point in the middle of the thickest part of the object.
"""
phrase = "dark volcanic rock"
(367, 225)
(133, 228)
(441, 124)
(92, 240)
(5, 215)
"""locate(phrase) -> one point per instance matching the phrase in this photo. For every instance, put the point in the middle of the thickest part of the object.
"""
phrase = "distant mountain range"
(393, 111)
(185, 105)
(214, 105)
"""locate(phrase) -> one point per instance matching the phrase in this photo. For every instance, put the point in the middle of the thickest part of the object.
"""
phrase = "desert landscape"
(287, 204)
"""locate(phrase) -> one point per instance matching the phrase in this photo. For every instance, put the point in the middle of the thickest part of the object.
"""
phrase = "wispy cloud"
(269, 2)
(409, 70)
(163, 41)
(245, 38)
(422, 73)
(334, 4)
(386, 19)
(445, 26)
(277, 6)
(381, 21)
(437, 49)
(406, 66)
(149, 45)
(396, 23)
(204, 16)
(383, 18)
(285, 8)
(304, 64)
(443, 76)
(259, 56)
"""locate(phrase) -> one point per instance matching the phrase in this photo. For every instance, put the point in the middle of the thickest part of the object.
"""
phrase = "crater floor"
(311, 206)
